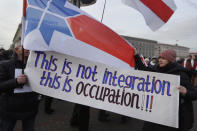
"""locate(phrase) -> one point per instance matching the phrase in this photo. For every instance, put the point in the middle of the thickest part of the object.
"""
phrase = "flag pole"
(103, 12)
(22, 35)
(23, 62)
(76, 3)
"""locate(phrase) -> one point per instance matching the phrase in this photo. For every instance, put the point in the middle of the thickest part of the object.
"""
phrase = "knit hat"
(169, 55)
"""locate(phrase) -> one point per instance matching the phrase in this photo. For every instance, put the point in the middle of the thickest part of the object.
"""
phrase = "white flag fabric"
(156, 12)
(57, 25)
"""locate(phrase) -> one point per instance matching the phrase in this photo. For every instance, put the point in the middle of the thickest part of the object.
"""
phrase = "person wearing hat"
(167, 64)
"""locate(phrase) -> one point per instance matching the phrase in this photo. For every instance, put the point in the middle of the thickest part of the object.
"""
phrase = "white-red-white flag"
(155, 12)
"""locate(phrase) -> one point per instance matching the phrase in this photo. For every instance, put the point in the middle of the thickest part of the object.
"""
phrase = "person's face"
(154, 60)
(193, 57)
(189, 57)
(147, 61)
(18, 51)
(1, 51)
(163, 62)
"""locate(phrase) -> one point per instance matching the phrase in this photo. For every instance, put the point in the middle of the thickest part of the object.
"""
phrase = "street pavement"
(59, 121)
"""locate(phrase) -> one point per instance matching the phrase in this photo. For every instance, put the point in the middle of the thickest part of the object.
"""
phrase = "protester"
(153, 61)
(5, 54)
(147, 61)
(47, 105)
(103, 116)
(124, 119)
(2, 53)
(16, 106)
(80, 117)
(191, 65)
(168, 65)
(194, 58)
(74, 121)
(180, 60)
(84, 118)
(194, 78)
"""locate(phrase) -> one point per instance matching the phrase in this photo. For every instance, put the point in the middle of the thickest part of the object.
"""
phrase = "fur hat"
(169, 55)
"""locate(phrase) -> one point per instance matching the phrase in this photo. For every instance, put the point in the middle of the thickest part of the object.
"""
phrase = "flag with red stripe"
(57, 25)
(155, 12)
(143, 61)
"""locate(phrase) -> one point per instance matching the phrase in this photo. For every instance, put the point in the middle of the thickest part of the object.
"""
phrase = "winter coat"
(186, 115)
(15, 106)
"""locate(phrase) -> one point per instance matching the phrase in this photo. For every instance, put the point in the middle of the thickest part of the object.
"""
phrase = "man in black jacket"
(16, 106)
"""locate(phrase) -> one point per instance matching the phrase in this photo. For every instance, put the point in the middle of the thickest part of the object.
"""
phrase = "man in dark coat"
(16, 106)
(188, 93)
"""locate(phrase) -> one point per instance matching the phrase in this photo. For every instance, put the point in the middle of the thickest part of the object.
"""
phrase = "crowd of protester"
(24, 106)
(166, 63)
(5, 54)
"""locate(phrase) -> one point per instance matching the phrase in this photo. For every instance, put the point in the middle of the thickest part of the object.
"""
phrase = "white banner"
(143, 95)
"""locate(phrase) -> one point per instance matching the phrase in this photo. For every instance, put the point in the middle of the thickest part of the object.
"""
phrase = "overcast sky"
(181, 28)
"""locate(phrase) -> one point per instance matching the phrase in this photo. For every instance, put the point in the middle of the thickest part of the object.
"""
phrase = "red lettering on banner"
(159, 8)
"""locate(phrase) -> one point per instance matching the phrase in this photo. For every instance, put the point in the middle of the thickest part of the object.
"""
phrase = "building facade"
(193, 53)
(143, 46)
(17, 36)
(181, 51)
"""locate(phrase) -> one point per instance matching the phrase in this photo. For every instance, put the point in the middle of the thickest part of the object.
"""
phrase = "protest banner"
(143, 95)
